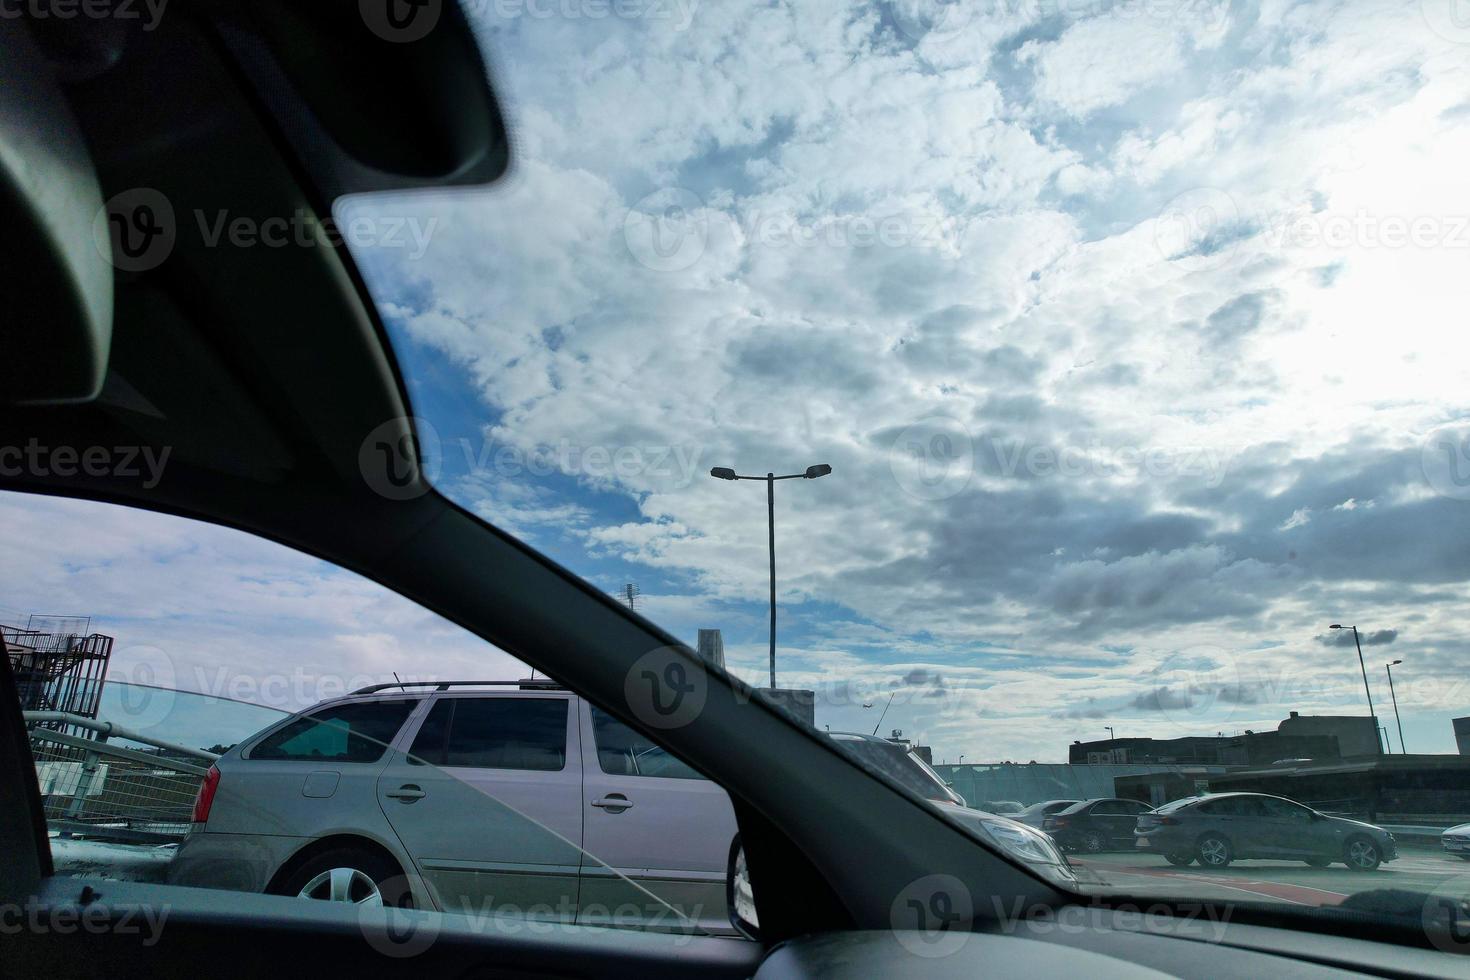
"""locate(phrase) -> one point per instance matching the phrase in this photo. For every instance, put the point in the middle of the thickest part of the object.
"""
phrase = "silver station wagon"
(522, 801)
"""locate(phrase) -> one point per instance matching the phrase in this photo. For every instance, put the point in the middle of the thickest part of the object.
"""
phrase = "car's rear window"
(353, 732)
(1178, 804)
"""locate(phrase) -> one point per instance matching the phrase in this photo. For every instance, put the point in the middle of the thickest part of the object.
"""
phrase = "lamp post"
(812, 473)
(1389, 667)
(1111, 734)
(1364, 669)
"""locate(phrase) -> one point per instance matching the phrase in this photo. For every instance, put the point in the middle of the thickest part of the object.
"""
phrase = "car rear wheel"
(1214, 851)
(1362, 854)
(1179, 860)
(1092, 842)
(348, 876)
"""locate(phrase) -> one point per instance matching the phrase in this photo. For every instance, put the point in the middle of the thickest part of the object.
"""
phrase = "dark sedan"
(1095, 825)
(1215, 830)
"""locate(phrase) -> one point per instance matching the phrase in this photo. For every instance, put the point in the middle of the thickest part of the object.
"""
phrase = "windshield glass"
(1068, 394)
(1130, 334)
(903, 767)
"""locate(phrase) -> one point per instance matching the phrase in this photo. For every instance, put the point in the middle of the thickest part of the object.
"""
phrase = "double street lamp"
(812, 473)
(1363, 667)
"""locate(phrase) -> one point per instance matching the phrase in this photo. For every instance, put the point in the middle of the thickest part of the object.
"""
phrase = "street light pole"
(771, 526)
(812, 473)
(1363, 667)
(1396, 718)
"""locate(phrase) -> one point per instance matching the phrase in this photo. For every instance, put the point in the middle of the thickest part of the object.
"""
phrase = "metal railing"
(93, 787)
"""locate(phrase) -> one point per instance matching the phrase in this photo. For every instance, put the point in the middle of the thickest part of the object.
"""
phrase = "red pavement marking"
(1299, 894)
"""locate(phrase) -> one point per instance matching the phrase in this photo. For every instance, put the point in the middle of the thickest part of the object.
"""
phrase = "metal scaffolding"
(58, 664)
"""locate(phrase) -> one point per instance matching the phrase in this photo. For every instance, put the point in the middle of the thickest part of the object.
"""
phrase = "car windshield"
(1113, 350)
(905, 768)
(1071, 397)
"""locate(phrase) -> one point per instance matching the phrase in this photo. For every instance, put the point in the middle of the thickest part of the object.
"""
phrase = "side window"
(431, 742)
(1234, 806)
(508, 733)
(623, 752)
(353, 732)
(1107, 807)
(1134, 807)
(1282, 809)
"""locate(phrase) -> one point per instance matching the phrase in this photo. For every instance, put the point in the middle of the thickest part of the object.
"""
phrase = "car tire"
(1092, 842)
(1317, 862)
(348, 875)
(1362, 854)
(1179, 860)
(1214, 852)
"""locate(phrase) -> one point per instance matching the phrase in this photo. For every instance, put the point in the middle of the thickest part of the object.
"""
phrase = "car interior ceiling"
(262, 376)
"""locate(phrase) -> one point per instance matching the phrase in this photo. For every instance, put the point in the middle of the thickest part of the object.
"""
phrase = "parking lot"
(1418, 868)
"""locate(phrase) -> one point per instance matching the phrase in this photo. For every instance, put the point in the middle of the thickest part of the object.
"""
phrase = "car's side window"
(623, 752)
(354, 732)
(1284, 810)
(432, 740)
(508, 733)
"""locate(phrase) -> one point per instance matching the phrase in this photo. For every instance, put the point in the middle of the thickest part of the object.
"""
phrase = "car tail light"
(1167, 821)
(204, 799)
(1060, 821)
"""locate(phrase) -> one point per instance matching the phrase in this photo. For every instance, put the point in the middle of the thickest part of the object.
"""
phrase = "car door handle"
(613, 803)
(407, 793)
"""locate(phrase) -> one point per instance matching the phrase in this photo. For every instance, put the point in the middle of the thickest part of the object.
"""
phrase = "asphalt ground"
(1419, 868)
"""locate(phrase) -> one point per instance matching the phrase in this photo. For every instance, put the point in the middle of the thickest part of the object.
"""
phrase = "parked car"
(1095, 825)
(1217, 829)
(517, 799)
(483, 800)
(1005, 808)
(1036, 813)
(1456, 841)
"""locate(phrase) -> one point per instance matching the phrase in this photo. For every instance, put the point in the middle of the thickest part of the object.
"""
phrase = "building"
(1247, 749)
(1462, 734)
(1409, 789)
(1355, 734)
(711, 648)
(1298, 738)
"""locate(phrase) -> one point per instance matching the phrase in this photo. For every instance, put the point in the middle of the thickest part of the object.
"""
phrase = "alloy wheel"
(1214, 852)
(1362, 855)
(347, 885)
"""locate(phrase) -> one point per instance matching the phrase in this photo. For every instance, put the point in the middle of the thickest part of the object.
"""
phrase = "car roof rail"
(525, 684)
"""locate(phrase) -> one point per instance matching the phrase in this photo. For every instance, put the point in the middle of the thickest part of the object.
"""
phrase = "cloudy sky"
(1134, 333)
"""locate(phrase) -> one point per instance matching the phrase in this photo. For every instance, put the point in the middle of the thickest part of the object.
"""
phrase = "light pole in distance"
(1389, 667)
(812, 473)
(1364, 669)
